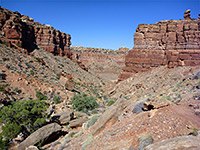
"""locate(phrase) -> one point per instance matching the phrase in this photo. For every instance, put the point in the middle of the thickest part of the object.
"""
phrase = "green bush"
(28, 114)
(3, 144)
(40, 96)
(10, 131)
(58, 76)
(110, 102)
(195, 131)
(38, 59)
(19, 44)
(32, 72)
(2, 87)
(83, 102)
(92, 121)
(56, 100)
(5, 43)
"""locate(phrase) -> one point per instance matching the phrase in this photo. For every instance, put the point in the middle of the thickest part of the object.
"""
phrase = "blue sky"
(99, 23)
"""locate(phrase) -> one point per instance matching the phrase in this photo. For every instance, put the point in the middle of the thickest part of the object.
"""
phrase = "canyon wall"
(24, 32)
(172, 43)
(105, 63)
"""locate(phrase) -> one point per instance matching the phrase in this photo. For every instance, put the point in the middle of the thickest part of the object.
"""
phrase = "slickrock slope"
(24, 32)
(105, 63)
(171, 43)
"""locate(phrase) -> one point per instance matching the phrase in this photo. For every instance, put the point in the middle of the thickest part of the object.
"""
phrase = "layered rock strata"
(171, 43)
(105, 63)
(23, 31)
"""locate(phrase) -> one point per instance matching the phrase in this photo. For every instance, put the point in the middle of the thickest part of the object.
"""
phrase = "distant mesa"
(81, 49)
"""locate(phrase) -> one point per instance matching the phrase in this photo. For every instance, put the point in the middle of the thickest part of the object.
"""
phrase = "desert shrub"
(195, 131)
(92, 121)
(5, 43)
(83, 102)
(2, 87)
(28, 115)
(10, 131)
(40, 96)
(32, 72)
(38, 59)
(3, 144)
(110, 102)
(56, 99)
(18, 44)
(58, 76)
(72, 133)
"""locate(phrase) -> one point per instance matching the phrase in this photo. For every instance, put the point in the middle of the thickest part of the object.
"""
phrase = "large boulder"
(32, 148)
(46, 133)
(70, 85)
(2, 76)
(150, 104)
(67, 83)
(110, 115)
(144, 140)
(138, 108)
(63, 117)
(77, 122)
(177, 143)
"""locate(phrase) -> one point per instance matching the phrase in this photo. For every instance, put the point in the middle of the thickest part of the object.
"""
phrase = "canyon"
(147, 97)
(107, 64)
(22, 32)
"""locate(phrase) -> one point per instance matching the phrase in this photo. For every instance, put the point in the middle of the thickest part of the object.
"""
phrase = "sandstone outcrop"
(23, 31)
(171, 43)
(184, 142)
(77, 122)
(64, 117)
(110, 116)
(42, 134)
(187, 14)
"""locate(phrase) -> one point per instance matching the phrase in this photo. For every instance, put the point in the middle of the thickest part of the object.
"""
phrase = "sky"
(108, 24)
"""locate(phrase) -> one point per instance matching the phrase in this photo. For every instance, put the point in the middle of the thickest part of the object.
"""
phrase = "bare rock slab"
(64, 117)
(41, 134)
(177, 143)
(77, 122)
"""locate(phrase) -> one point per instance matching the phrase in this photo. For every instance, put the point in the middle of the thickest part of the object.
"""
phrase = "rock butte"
(172, 43)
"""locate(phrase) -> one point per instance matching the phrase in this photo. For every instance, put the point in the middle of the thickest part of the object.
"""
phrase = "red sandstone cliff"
(171, 43)
(23, 31)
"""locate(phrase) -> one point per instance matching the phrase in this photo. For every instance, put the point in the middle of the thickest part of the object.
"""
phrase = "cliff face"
(23, 31)
(105, 63)
(171, 43)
